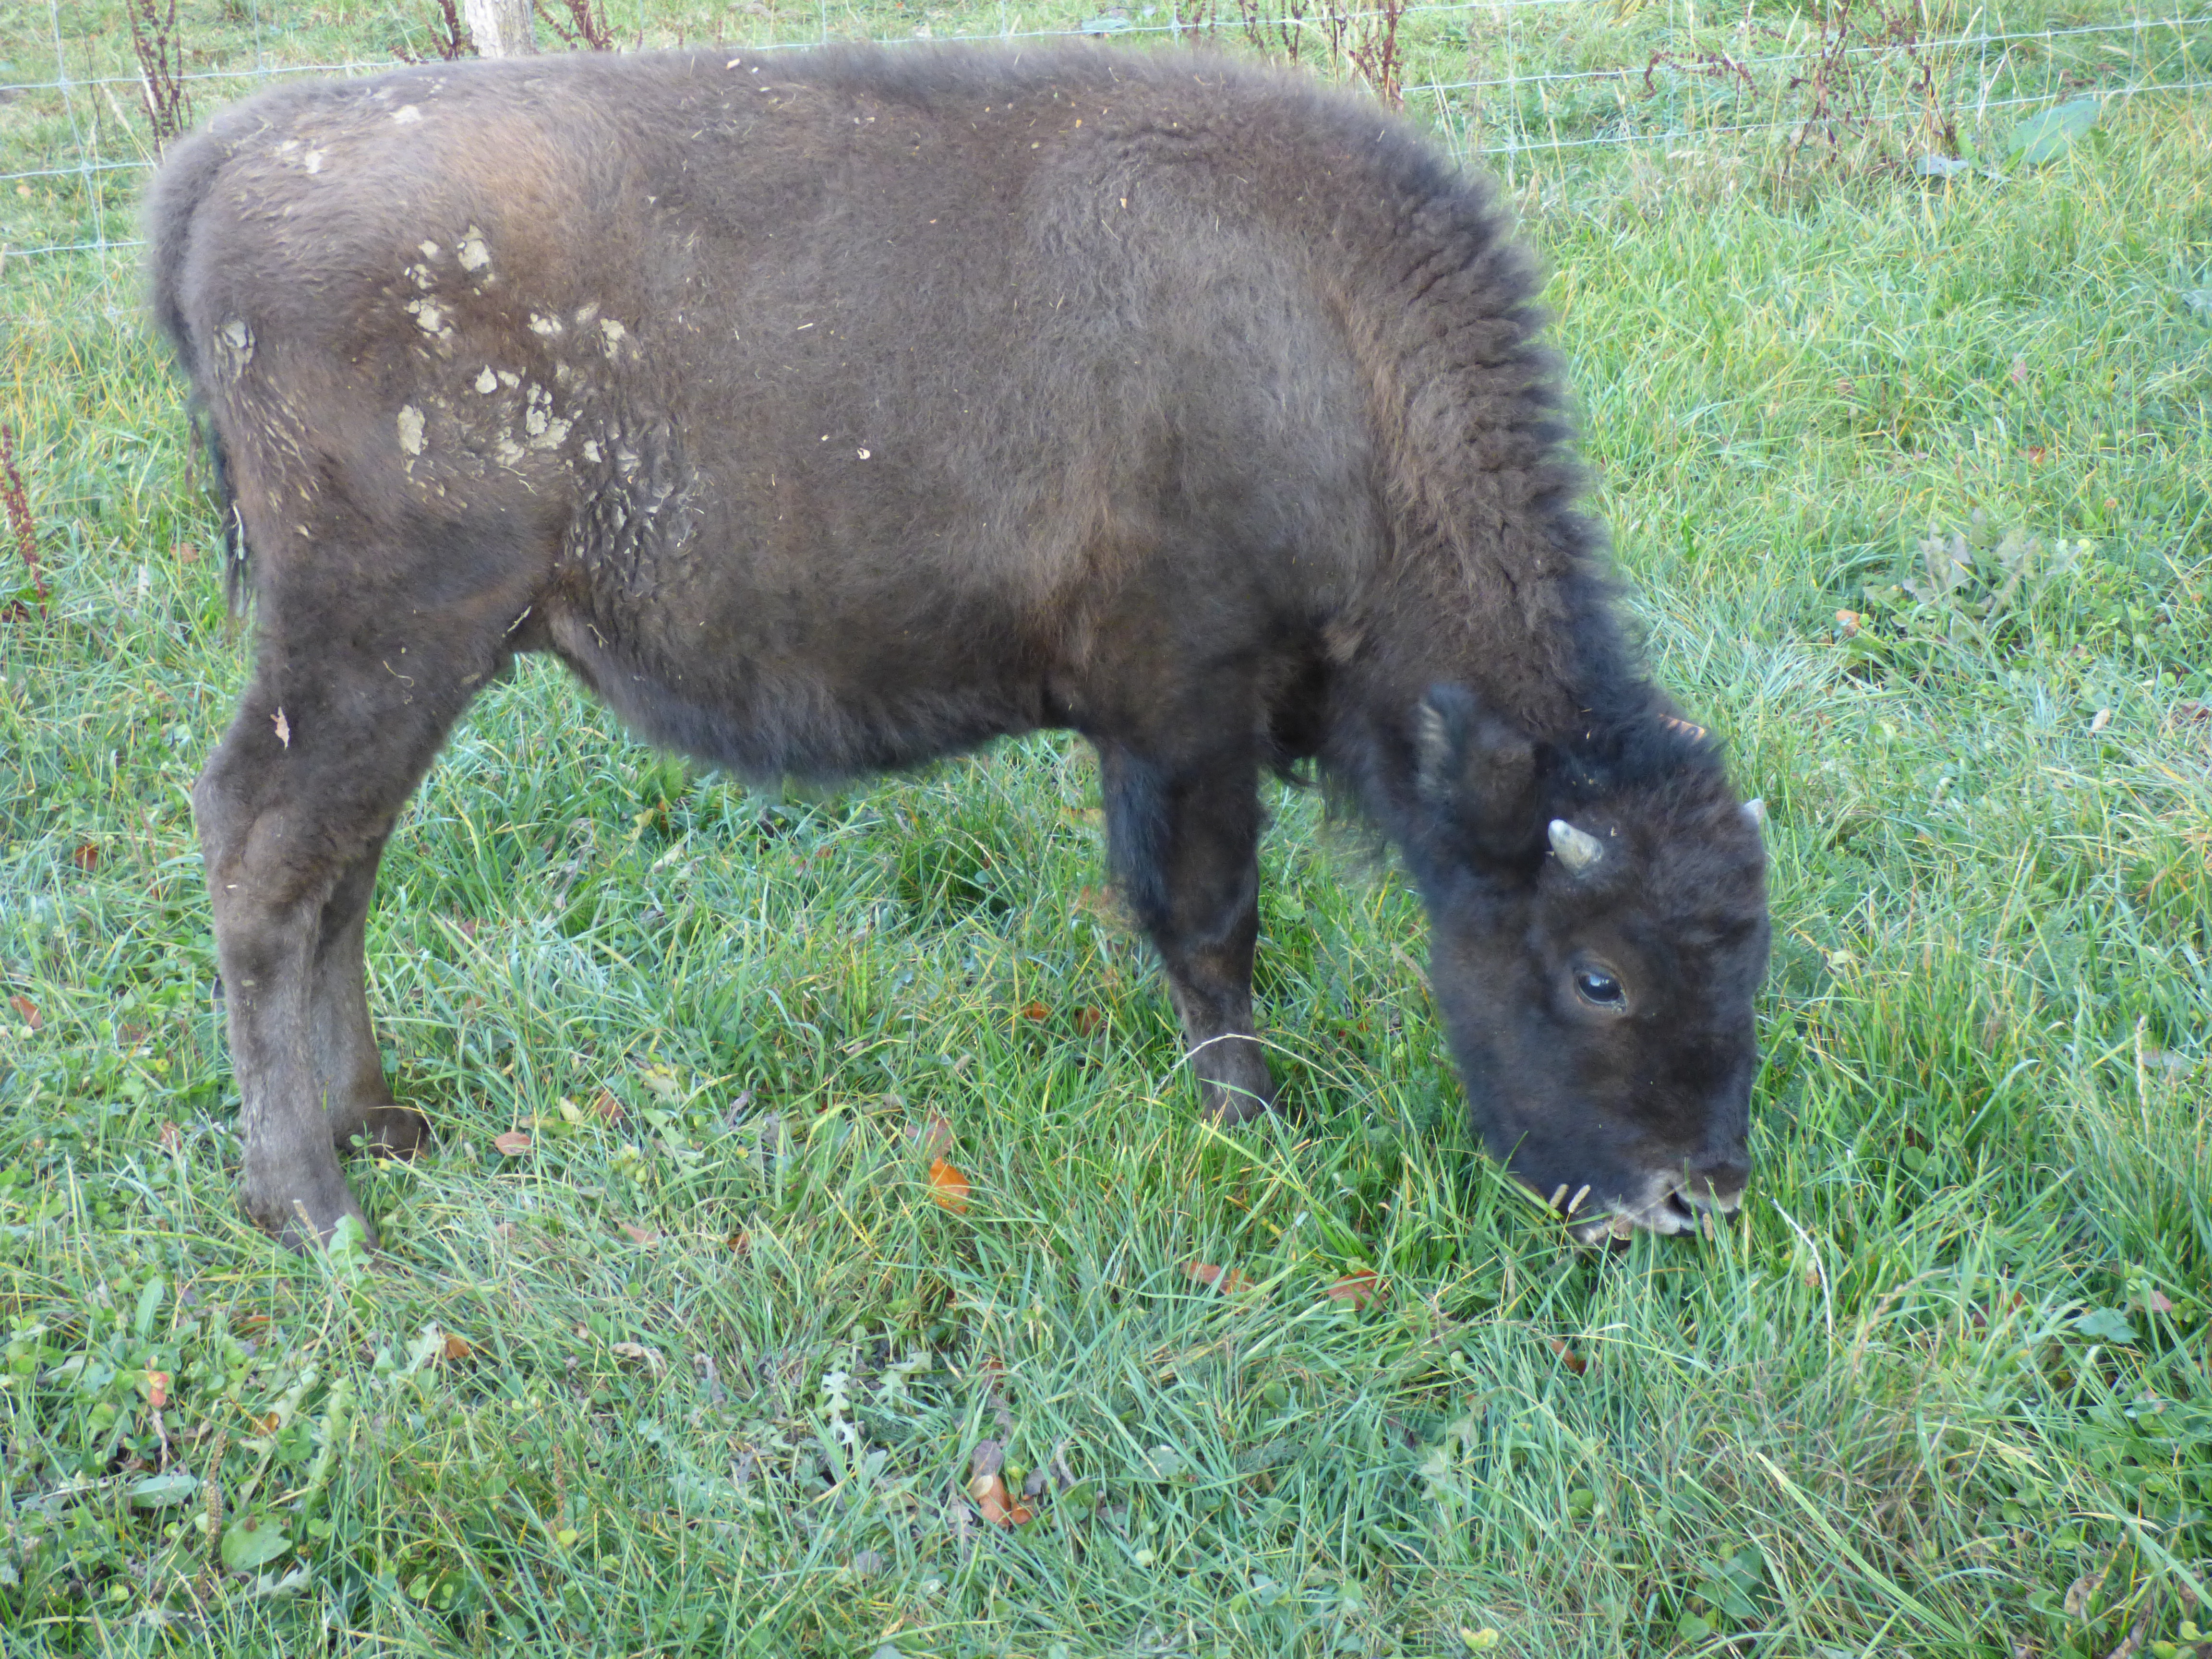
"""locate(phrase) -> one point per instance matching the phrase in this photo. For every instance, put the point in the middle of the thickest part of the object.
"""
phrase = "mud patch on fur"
(235, 345)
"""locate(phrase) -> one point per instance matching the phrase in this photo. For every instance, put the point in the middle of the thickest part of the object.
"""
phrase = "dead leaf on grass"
(606, 1108)
(171, 1137)
(1358, 1290)
(456, 1347)
(2079, 1592)
(644, 1235)
(514, 1144)
(1089, 1021)
(1036, 1010)
(1573, 1361)
(998, 1506)
(1227, 1280)
(28, 1011)
(933, 1136)
(651, 1356)
(948, 1187)
(87, 856)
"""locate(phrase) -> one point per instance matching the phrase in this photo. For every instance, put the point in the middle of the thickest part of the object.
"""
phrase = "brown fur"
(830, 412)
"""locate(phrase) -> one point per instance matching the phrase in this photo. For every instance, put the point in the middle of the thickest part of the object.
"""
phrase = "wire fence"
(1540, 82)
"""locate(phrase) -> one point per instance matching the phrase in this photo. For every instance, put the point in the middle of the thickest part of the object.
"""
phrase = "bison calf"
(830, 412)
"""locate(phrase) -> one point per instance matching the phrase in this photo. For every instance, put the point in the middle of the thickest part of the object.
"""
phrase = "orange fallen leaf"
(933, 1135)
(172, 1137)
(157, 1389)
(644, 1235)
(458, 1348)
(998, 1506)
(1573, 1361)
(2035, 453)
(741, 1240)
(606, 1108)
(2157, 1302)
(87, 857)
(1358, 1290)
(514, 1143)
(29, 1010)
(1851, 621)
(1227, 1280)
(948, 1186)
(1088, 1020)
(1036, 1010)
(188, 554)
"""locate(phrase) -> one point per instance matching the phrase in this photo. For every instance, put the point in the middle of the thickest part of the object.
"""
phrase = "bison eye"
(1599, 988)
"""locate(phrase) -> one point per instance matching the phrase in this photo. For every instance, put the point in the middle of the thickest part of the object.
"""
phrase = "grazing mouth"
(1667, 1206)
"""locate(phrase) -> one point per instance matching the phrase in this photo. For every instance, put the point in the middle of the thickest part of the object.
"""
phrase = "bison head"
(1599, 930)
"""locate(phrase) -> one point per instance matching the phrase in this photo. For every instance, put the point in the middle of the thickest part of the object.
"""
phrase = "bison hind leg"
(293, 811)
(349, 1071)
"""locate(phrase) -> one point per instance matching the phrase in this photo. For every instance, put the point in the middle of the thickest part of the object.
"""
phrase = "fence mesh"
(1913, 85)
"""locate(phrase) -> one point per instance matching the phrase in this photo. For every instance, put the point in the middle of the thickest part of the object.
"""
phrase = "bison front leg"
(1185, 842)
(293, 810)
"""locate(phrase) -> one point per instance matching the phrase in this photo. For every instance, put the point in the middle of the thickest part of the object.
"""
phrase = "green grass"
(1942, 1389)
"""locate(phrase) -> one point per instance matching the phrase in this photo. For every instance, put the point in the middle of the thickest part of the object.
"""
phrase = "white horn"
(1755, 810)
(1577, 851)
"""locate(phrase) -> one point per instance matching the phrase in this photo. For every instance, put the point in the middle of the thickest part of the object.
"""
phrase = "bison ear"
(1478, 771)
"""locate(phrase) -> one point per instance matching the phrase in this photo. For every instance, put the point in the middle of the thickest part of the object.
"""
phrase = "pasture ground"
(709, 1367)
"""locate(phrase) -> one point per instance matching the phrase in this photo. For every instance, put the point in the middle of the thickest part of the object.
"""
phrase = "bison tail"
(172, 204)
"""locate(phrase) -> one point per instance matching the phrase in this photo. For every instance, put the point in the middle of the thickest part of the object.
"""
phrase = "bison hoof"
(1228, 1107)
(307, 1220)
(393, 1132)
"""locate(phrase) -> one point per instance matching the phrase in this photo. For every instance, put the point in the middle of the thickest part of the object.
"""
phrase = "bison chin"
(1603, 1189)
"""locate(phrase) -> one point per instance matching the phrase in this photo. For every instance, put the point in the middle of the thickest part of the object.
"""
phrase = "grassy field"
(1912, 482)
